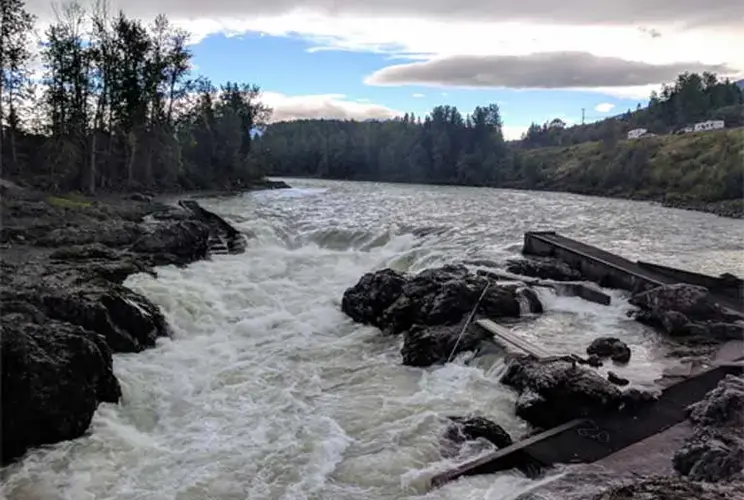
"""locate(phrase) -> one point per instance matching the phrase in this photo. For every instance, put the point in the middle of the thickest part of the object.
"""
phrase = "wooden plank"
(466, 467)
(504, 335)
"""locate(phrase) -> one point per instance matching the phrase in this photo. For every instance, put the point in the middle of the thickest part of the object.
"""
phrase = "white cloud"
(335, 106)
(604, 107)
(708, 32)
(418, 96)
(513, 132)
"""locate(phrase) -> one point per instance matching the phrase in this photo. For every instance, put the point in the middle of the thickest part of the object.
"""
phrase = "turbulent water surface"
(267, 391)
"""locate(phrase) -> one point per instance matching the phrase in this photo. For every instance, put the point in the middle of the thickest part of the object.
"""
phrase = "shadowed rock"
(543, 268)
(610, 347)
(54, 374)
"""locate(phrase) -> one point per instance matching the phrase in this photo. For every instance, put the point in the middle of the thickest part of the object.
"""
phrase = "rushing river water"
(267, 391)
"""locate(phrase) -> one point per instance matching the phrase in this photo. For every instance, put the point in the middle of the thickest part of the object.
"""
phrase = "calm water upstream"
(267, 391)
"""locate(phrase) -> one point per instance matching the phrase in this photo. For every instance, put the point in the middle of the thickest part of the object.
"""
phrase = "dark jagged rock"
(715, 450)
(711, 455)
(616, 379)
(366, 301)
(430, 308)
(472, 428)
(554, 391)
(529, 297)
(179, 242)
(670, 488)
(54, 374)
(610, 347)
(545, 268)
(428, 345)
(686, 311)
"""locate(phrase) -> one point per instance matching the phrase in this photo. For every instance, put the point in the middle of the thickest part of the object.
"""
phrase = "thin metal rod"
(470, 318)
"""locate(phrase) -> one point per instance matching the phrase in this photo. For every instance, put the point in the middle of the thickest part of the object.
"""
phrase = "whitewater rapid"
(267, 391)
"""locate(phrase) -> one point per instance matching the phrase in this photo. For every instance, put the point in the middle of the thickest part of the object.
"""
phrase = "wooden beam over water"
(507, 338)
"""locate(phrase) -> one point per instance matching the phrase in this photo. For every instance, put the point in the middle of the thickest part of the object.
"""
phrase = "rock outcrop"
(609, 347)
(544, 268)
(715, 450)
(554, 391)
(54, 375)
(684, 311)
(431, 308)
(65, 310)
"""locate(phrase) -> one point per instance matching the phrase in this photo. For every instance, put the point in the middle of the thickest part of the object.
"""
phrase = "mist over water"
(267, 391)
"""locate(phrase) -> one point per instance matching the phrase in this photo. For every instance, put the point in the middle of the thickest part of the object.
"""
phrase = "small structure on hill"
(637, 133)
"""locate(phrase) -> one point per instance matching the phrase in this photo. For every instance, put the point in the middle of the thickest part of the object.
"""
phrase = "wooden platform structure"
(504, 337)
(589, 440)
(613, 271)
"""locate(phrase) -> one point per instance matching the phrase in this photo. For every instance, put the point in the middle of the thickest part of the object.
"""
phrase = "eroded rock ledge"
(64, 310)
(430, 308)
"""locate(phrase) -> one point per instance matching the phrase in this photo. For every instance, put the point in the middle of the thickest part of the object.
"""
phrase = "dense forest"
(116, 107)
(447, 147)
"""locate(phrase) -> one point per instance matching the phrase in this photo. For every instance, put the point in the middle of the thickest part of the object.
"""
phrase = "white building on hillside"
(709, 125)
(636, 133)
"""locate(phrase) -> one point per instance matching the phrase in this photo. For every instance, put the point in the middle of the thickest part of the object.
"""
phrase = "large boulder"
(54, 375)
(471, 428)
(431, 308)
(543, 268)
(610, 347)
(366, 301)
(554, 391)
(427, 345)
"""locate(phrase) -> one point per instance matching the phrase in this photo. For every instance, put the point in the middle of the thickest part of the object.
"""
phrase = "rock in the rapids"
(444, 296)
(555, 391)
(721, 407)
(543, 268)
(617, 379)
(179, 242)
(610, 347)
(427, 345)
(694, 302)
(54, 374)
(528, 296)
(669, 488)
(472, 428)
(366, 301)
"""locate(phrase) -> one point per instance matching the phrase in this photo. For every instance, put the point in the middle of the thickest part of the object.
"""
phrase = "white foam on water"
(267, 391)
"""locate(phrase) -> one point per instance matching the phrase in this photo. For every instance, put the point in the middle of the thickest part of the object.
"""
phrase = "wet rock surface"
(609, 347)
(543, 268)
(64, 308)
(430, 308)
(687, 312)
(554, 391)
(669, 488)
(715, 450)
(472, 428)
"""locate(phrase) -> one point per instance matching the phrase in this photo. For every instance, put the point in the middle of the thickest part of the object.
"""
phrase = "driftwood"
(586, 291)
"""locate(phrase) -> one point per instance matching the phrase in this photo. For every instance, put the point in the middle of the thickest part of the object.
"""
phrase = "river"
(267, 391)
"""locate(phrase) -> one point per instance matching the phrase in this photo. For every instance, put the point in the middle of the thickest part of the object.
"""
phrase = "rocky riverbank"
(433, 312)
(65, 310)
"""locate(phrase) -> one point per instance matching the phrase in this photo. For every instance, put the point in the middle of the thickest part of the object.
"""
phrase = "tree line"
(116, 106)
(691, 98)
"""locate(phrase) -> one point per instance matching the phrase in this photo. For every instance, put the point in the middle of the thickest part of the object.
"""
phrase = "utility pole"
(583, 115)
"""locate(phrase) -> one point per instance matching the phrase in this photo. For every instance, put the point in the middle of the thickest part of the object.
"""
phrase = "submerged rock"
(610, 347)
(543, 268)
(54, 374)
(472, 428)
(431, 307)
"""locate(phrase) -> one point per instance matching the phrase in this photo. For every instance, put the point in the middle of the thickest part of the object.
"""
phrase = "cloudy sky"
(538, 59)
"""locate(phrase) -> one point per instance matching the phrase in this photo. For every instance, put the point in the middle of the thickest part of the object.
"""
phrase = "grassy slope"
(701, 167)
